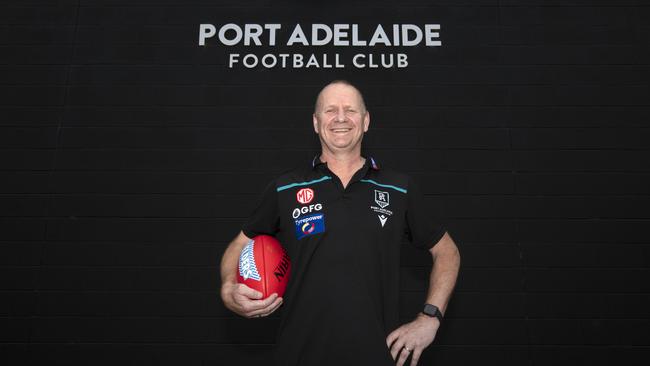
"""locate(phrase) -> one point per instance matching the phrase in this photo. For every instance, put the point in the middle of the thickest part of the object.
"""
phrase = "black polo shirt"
(343, 296)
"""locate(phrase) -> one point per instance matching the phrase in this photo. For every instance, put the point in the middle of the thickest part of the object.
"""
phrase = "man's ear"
(315, 121)
(366, 122)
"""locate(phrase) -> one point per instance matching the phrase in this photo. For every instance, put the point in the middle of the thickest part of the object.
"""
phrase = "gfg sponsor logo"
(306, 209)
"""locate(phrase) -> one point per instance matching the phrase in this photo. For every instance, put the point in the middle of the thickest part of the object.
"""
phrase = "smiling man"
(342, 218)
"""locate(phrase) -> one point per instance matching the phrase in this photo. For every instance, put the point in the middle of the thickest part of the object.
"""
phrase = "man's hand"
(238, 297)
(246, 302)
(412, 337)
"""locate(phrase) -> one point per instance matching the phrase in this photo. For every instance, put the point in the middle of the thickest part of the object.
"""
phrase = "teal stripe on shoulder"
(399, 189)
(282, 188)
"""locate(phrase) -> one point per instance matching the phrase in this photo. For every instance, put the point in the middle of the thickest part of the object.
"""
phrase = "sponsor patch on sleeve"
(310, 225)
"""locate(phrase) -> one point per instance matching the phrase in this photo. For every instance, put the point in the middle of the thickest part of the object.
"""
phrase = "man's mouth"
(341, 130)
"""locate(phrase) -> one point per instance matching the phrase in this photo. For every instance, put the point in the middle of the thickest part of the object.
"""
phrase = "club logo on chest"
(382, 199)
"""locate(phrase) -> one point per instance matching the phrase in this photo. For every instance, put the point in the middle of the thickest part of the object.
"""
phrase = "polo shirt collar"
(315, 162)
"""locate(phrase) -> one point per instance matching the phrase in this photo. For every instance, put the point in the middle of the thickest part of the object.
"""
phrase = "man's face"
(340, 118)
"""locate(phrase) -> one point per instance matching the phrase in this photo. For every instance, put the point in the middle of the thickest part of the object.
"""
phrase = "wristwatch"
(432, 311)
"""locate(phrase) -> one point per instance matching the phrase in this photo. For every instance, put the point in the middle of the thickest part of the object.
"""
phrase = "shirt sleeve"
(265, 218)
(423, 230)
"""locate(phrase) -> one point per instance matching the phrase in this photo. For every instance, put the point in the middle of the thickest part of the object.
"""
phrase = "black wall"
(130, 157)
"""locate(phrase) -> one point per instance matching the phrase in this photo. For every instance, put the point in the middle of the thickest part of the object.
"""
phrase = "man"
(342, 219)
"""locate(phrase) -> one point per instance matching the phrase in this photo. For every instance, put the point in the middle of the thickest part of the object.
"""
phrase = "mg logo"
(305, 195)
(382, 198)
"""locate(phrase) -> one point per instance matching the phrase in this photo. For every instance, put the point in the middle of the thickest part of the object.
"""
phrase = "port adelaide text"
(393, 41)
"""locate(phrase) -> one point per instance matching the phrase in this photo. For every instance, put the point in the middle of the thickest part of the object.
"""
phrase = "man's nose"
(340, 116)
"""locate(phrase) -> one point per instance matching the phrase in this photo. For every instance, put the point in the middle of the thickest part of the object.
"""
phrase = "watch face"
(430, 309)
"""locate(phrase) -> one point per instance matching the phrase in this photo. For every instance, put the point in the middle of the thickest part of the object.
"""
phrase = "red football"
(264, 266)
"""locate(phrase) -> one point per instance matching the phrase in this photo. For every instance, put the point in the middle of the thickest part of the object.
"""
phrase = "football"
(264, 266)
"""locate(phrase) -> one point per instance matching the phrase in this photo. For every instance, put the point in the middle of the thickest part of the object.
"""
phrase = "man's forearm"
(446, 263)
(228, 263)
(230, 259)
